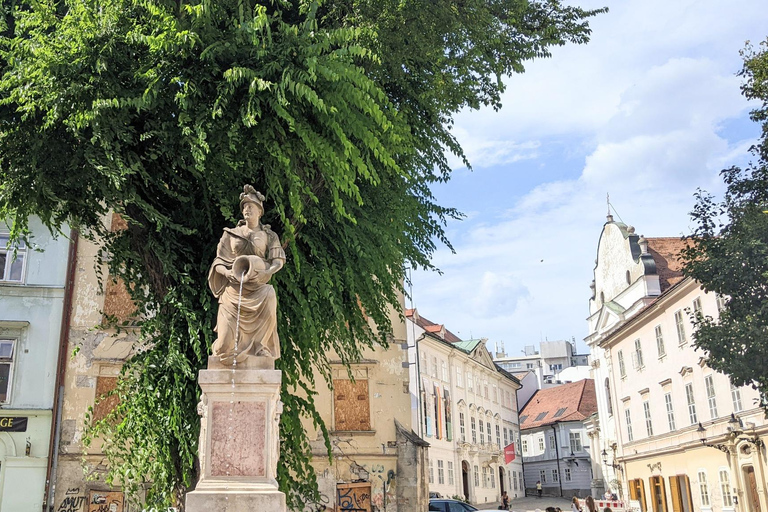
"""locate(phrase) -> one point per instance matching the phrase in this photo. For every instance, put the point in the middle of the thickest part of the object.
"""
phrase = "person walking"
(504, 501)
(590, 502)
(575, 507)
(538, 488)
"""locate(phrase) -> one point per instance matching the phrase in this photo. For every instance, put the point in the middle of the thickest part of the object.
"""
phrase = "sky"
(648, 111)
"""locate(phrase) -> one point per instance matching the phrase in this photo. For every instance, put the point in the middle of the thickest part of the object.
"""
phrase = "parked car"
(453, 506)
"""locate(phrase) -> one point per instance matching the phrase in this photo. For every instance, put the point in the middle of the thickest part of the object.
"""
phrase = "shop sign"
(13, 423)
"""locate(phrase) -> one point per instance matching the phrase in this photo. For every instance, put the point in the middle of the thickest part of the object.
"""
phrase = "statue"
(246, 258)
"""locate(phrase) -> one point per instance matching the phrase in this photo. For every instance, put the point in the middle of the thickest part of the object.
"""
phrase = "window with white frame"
(433, 368)
(459, 381)
(622, 368)
(488, 431)
(498, 436)
(431, 472)
(697, 306)
(485, 476)
(440, 473)
(543, 476)
(709, 384)
(485, 389)
(555, 476)
(12, 266)
(551, 439)
(495, 393)
(725, 488)
(477, 476)
(461, 428)
(703, 489)
(691, 404)
(7, 347)
(482, 432)
(670, 411)
(450, 472)
(638, 354)
(493, 478)
(473, 428)
(423, 364)
(506, 436)
(720, 302)
(567, 475)
(469, 382)
(736, 397)
(575, 439)
(648, 421)
(541, 443)
(524, 444)
(628, 421)
(681, 338)
(513, 477)
(444, 371)
(660, 342)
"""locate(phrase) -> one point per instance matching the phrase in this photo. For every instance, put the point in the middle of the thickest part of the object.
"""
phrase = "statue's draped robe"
(258, 305)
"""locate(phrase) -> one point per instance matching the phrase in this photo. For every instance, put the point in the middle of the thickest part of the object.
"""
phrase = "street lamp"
(612, 464)
(703, 437)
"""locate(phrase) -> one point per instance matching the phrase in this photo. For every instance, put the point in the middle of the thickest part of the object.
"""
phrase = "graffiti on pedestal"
(105, 501)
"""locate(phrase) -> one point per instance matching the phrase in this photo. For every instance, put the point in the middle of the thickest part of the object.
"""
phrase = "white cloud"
(646, 102)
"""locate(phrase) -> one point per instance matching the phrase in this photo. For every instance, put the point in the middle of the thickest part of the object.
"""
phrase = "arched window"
(608, 396)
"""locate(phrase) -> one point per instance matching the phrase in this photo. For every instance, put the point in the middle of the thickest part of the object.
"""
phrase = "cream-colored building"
(466, 407)
(376, 454)
(675, 435)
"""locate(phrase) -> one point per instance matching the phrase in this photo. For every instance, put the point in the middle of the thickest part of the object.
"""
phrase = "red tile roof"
(430, 326)
(666, 254)
(575, 401)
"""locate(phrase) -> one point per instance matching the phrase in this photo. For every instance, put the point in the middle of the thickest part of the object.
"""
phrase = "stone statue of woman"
(246, 258)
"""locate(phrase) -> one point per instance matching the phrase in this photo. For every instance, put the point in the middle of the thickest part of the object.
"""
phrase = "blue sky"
(648, 111)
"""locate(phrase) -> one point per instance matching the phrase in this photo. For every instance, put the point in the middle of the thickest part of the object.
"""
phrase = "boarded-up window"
(353, 497)
(351, 407)
(117, 300)
(104, 404)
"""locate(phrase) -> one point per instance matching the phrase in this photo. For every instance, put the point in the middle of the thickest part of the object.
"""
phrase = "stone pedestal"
(239, 442)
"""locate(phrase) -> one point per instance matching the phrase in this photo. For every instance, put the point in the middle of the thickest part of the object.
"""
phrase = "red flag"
(509, 453)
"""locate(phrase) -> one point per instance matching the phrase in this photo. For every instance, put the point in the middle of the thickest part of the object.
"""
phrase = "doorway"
(502, 481)
(465, 478)
(658, 494)
(751, 488)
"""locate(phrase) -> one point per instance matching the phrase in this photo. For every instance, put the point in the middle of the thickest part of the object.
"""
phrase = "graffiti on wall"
(73, 501)
(105, 501)
(354, 497)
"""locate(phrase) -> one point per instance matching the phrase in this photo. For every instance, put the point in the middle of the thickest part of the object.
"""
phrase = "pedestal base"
(235, 501)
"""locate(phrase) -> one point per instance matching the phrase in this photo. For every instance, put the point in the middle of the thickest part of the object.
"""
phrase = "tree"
(161, 110)
(728, 252)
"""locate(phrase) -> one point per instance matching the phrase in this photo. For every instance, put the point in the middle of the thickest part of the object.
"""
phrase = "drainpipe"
(58, 391)
(557, 454)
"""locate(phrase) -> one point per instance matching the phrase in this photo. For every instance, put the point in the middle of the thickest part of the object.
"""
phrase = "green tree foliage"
(161, 110)
(728, 254)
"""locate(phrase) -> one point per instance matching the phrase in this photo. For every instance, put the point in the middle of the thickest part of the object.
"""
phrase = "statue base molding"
(239, 441)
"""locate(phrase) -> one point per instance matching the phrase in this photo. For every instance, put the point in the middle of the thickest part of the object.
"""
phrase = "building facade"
(554, 363)
(555, 445)
(33, 292)
(466, 407)
(676, 435)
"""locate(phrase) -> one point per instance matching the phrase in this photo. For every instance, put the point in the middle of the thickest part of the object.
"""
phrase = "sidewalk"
(530, 504)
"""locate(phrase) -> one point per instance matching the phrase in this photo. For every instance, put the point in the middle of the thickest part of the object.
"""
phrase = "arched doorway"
(502, 480)
(465, 478)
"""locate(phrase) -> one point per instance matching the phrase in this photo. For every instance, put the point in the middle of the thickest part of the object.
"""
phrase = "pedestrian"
(538, 487)
(504, 501)
(590, 502)
(575, 507)
(607, 509)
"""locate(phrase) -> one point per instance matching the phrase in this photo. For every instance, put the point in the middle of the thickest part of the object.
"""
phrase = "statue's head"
(251, 196)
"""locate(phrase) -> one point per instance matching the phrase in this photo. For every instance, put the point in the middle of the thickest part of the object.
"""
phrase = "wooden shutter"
(643, 503)
(351, 407)
(687, 494)
(674, 488)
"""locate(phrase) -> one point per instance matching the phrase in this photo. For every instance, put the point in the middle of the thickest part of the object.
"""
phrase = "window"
(670, 411)
(482, 432)
(575, 438)
(736, 396)
(660, 342)
(567, 474)
(622, 368)
(555, 476)
(431, 472)
(351, 407)
(681, 339)
(608, 397)
(720, 302)
(485, 476)
(638, 354)
(506, 438)
(691, 404)
(628, 419)
(493, 478)
(12, 268)
(710, 385)
(629, 277)
(541, 416)
(6, 367)
(440, 473)
(514, 479)
(461, 428)
(524, 444)
(444, 371)
(551, 442)
(473, 427)
(648, 422)
(489, 432)
(697, 306)
(459, 382)
(485, 389)
(450, 472)
(433, 368)
(477, 477)
(541, 443)
(703, 490)
(498, 436)
(543, 476)
(523, 418)
(725, 488)
(469, 382)
(560, 412)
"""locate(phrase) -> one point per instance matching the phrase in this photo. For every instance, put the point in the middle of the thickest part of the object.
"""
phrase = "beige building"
(379, 463)
(675, 435)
